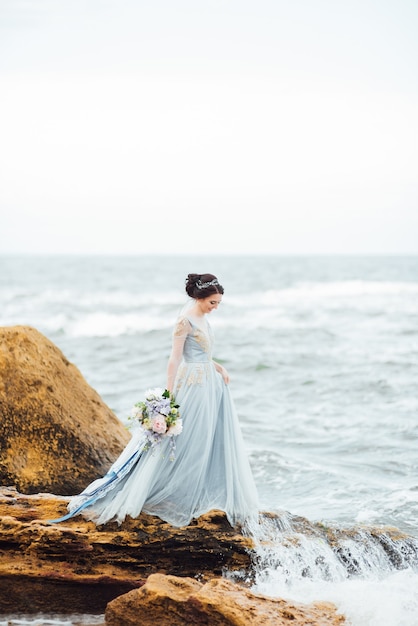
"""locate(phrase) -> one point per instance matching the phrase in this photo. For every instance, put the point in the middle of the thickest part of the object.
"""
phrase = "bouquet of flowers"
(159, 417)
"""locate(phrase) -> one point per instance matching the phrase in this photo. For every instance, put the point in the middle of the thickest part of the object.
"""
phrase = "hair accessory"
(211, 283)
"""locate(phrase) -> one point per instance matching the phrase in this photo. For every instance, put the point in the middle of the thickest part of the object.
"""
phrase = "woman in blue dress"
(210, 469)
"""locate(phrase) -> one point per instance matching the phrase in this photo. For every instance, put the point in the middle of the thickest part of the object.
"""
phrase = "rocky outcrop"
(173, 601)
(78, 567)
(56, 434)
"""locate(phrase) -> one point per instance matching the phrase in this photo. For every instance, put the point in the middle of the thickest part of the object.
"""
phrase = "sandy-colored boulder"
(56, 434)
(174, 601)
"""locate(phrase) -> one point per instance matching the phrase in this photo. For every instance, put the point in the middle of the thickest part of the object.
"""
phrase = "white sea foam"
(391, 600)
(304, 568)
(111, 325)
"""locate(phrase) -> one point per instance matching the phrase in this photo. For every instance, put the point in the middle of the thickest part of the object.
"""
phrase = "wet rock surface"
(76, 567)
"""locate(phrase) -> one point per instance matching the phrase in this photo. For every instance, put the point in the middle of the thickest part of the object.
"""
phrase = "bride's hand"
(224, 375)
(223, 372)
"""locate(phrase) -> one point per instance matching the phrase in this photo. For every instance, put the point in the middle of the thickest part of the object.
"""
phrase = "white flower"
(136, 412)
(154, 394)
(175, 429)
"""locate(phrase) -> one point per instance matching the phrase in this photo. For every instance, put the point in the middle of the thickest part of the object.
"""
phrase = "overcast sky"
(224, 126)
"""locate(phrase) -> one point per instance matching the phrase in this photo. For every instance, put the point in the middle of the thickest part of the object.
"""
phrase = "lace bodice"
(198, 344)
(192, 343)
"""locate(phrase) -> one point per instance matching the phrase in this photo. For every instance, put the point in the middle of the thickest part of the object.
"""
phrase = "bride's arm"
(223, 372)
(180, 333)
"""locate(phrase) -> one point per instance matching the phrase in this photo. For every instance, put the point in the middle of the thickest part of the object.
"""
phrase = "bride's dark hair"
(202, 285)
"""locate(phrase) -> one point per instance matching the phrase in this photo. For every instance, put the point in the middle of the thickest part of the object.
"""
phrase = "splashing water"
(369, 573)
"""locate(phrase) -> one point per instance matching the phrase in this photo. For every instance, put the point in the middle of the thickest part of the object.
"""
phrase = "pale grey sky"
(224, 126)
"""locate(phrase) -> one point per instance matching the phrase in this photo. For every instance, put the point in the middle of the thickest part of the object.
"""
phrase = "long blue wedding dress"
(210, 470)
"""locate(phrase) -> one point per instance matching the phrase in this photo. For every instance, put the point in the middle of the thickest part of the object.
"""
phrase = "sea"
(322, 352)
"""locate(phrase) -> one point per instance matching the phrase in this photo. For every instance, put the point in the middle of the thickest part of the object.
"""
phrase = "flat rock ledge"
(142, 571)
(76, 567)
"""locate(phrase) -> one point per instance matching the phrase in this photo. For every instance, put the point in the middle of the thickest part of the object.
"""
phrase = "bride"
(210, 469)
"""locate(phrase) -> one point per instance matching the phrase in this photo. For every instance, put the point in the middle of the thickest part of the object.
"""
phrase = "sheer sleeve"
(181, 330)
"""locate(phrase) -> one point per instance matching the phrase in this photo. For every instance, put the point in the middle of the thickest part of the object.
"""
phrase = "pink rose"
(159, 425)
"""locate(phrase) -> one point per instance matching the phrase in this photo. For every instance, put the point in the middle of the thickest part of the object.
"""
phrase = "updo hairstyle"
(201, 286)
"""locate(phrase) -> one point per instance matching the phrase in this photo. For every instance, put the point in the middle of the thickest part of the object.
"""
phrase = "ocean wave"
(87, 299)
(319, 306)
(113, 325)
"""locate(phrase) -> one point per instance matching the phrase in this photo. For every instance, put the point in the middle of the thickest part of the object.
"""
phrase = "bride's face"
(207, 305)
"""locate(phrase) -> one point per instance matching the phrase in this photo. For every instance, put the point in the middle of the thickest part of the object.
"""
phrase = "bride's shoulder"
(183, 325)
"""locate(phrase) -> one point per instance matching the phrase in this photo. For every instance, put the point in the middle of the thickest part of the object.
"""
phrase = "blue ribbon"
(101, 490)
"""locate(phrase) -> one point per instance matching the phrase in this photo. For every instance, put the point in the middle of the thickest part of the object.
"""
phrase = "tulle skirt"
(210, 469)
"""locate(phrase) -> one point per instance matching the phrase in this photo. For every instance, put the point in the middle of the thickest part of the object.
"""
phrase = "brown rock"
(56, 434)
(78, 567)
(173, 601)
